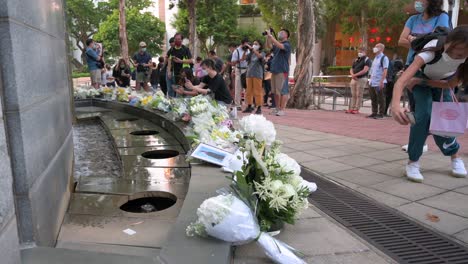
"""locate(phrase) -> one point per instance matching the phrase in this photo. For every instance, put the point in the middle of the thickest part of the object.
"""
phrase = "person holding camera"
(254, 89)
(281, 49)
(179, 57)
(142, 61)
(93, 59)
(240, 70)
(121, 73)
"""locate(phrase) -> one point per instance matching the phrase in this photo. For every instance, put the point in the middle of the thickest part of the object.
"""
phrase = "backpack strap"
(438, 49)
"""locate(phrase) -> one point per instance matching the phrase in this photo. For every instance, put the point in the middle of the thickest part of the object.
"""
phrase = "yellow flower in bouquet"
(107, 90)
(121, 91)
(146, 100)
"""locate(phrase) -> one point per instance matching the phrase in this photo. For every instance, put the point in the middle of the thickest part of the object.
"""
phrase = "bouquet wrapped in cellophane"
(228, 218)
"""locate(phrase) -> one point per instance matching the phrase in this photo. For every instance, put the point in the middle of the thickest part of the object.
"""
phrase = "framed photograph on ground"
(212, 154)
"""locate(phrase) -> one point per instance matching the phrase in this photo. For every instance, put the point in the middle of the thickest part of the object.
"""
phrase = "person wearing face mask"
(121, 73)
(219, 64)
(430, 15)
(142, 61)
(255, 60)
(240, 69)
(179, 57)
(428, 82)
(212, 83)
(93, 59)
(378, 81)
(359, 72)
(281, 49)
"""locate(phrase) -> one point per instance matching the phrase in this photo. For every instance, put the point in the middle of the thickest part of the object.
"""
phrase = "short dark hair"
(171, 40)
(161, 59)
(199, 58)
(179, 34)
(232, 45)
(208, 63)
(212, 52)
(244, 40)
(89, 41)
(287, 31)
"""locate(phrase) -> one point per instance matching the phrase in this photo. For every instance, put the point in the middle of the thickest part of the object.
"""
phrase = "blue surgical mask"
(418, 5)
(143, 49)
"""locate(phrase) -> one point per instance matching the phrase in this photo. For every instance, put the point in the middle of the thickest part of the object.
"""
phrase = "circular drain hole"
(144, 132)
(127, 119)
(160, 154)
(149, 204)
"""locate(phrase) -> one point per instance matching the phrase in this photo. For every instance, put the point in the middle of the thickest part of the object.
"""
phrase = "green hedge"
(80, 74)
(338, 68)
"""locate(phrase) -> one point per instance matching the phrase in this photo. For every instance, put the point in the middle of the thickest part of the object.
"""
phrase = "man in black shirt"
(219, 64)
(179, 57)
(358, 71)
(214, 82)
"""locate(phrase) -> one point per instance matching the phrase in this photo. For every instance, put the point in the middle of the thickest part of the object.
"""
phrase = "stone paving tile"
(407, 189)
(463, 236)
(448, 223)
(287, 150)
(317, 236)
(287, 140)
(384, 198)
(387, 155)
(329, 143)
(301, 157)
(361, 177)
(303, 146)
(357, 160)
(443, 180)
(380, 145)
(327, 152)
(354, 149)
(366, 257)
(463, 190)
(387, 168)
(326, 166)
(452, 202)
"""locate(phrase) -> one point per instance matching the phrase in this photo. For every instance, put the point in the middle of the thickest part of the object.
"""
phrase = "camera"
(245, 47)
(264, 33)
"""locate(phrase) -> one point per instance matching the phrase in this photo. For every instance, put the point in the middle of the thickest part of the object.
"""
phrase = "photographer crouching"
(281, 49)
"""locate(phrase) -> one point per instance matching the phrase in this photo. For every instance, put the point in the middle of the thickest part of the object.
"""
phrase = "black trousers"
(378, 100)
(388, 95)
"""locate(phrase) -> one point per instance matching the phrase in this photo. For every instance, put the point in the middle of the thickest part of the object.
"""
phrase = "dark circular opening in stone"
(144, 132)
(129, 119)
(160, 154)
(149, 204)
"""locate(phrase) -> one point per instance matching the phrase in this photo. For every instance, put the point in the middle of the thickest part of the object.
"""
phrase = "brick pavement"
(355, 126)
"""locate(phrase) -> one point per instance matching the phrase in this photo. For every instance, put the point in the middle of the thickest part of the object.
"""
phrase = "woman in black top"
(121, 73)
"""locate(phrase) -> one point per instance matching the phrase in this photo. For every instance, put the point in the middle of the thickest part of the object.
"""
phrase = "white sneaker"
(274, 112)
(280, 113)
(405, 148)
(458, 168)
(413, 173)
(233, 113)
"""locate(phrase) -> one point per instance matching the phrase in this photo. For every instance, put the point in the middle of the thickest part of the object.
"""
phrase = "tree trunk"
(301, 95)
(192, 27)
(363, 28)
(123, 32)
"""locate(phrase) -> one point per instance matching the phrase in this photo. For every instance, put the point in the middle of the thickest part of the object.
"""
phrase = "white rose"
(288, 164)
(276, 185)
(288, 190)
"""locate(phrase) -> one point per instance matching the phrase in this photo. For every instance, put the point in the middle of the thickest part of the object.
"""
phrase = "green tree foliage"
(140, 27)
(215, 18)
(358, 15)
(280, 14)
(83, 18)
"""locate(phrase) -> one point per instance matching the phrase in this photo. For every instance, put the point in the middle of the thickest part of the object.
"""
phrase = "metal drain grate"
(400, 238)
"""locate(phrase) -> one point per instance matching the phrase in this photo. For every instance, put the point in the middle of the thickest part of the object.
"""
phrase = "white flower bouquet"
(160, 102)
(258, 127)
(228, 218)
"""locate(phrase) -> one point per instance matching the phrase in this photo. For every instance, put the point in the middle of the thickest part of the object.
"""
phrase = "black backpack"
(440, 34)
(390, 72)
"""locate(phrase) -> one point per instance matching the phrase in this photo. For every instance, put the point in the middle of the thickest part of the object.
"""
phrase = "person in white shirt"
(428, 79)
(240, 65)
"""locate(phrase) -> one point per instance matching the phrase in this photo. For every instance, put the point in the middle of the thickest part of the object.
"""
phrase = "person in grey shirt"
(255, 60)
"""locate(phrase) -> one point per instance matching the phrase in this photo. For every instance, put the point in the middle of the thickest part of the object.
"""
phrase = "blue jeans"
(423, 97)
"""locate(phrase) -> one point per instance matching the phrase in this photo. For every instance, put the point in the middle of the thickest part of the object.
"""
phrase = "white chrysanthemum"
(259, 127)
(288, 190)
(288, 164)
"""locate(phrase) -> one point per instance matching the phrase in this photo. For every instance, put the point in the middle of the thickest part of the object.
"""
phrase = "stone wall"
(37, 119)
